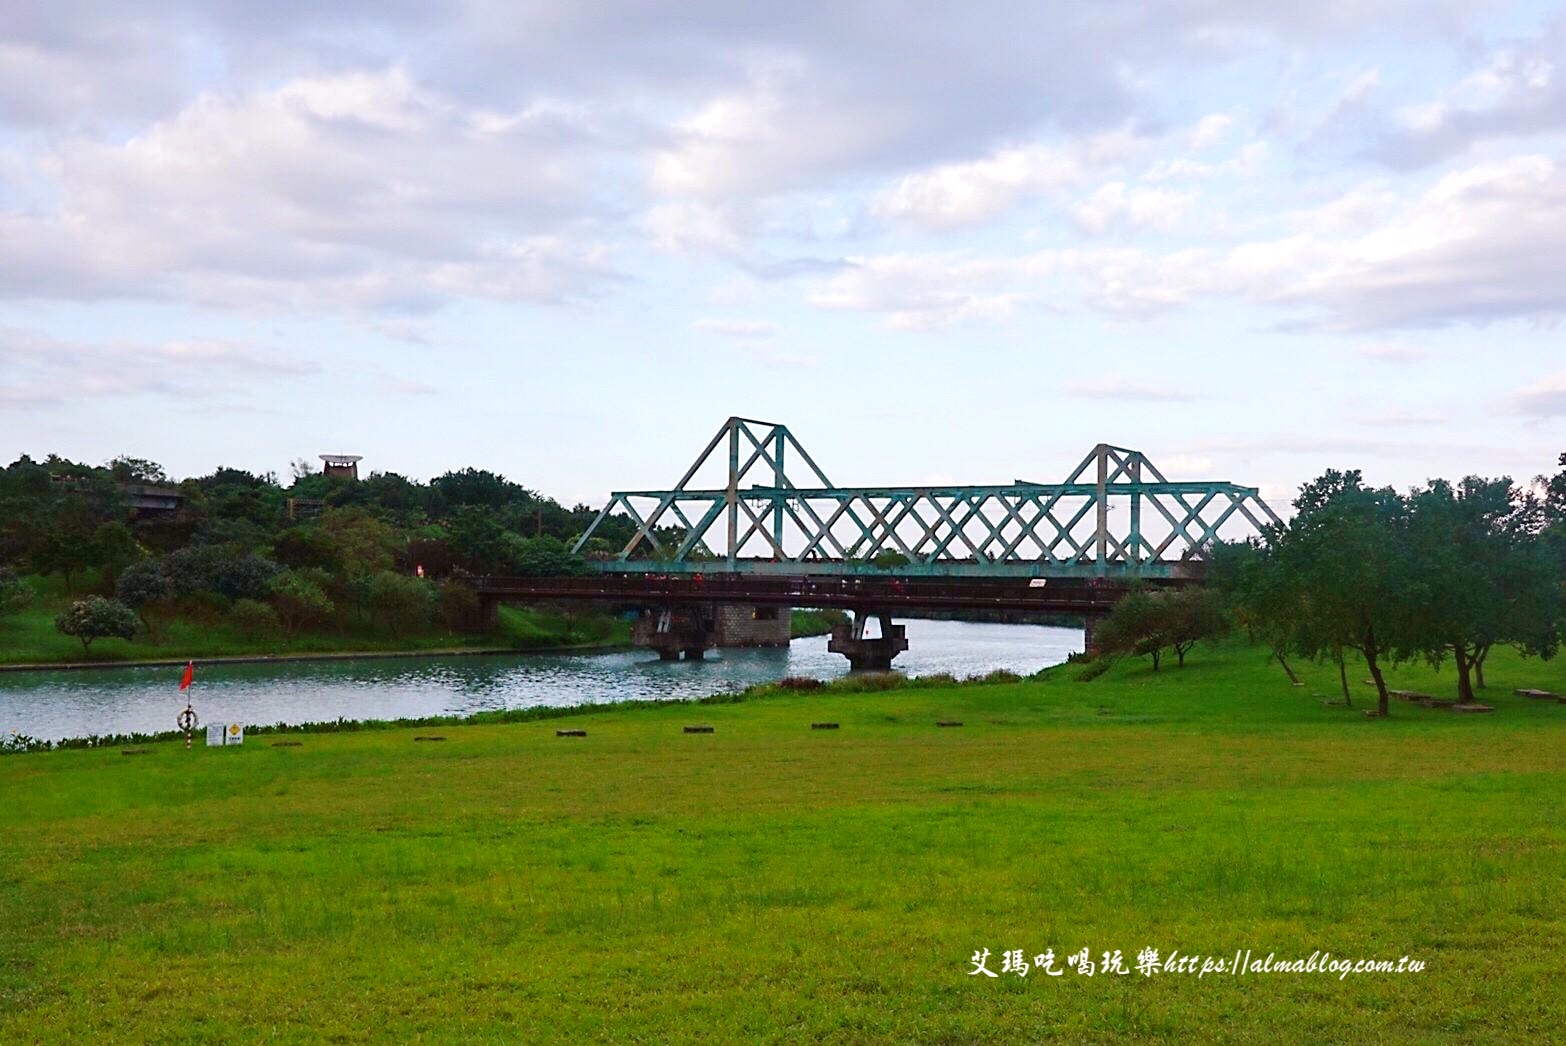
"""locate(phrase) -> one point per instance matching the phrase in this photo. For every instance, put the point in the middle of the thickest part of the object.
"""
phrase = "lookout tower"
(344, 465)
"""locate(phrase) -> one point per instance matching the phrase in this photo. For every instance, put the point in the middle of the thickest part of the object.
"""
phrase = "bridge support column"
(748, 625)
(687, 632)
(1091, 623)
(488, 616)
(868, 655)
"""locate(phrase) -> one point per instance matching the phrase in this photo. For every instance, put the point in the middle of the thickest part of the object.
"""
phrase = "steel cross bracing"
(1075, 528)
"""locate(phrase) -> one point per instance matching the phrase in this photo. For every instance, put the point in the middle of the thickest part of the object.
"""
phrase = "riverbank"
(30, 639)
(535, 628)
(353, 655)
(772, 881)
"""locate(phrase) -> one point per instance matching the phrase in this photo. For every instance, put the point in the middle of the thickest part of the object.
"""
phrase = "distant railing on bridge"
(1022, 529)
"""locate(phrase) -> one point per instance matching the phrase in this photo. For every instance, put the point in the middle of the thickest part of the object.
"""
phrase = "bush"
(213, 568)
(253, 618)
(403, 603)
(459, 607)
(800, 683)
(299, 601)
(97, 618)
(204, 608)
(999, 675)
(868, 683)
(1093, 669)
(143, 586)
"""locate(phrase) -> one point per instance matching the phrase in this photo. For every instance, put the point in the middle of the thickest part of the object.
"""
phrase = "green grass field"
(768, 881)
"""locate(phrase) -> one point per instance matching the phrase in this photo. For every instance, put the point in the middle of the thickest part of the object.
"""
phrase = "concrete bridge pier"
(1091, 623)
(676, 633)
(868, 655)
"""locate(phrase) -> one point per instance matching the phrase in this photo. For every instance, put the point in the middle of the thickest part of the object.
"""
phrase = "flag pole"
(187, 719)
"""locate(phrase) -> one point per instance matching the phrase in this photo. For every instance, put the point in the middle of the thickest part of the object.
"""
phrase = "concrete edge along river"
(54, 705)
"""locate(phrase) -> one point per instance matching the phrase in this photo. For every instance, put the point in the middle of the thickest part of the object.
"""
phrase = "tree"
(1191, 615)
(479, 540)
(477, 487)
(113, 549)
(544, 557)
(1487, 574)
(126, 469)
(144, 587)
(299, 599)
(1257, 600)
(307, 546)
(1555, 517)
(96, 618)
(15, 595)
(217, 568)
(1341, 575)
(459, 607)
(1148, 623)
(403, 603)
(66, 549)
(1135, 626)
(253, 619)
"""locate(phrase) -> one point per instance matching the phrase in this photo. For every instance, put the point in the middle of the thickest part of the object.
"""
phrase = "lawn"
(769, 881)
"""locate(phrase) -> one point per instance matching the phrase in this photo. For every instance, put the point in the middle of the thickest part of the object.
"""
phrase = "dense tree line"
(1444, 573)
(374, 550)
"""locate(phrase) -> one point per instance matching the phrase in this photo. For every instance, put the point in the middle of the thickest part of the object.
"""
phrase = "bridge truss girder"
(1022, 528)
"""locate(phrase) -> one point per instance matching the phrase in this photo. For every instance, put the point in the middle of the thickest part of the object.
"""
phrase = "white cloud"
(1484, 243)
(961, 194)
(359, 189)
(1116, 386)
(1545, 398)
(44, 371)
(1519, 90)
(694, 225)
(923, 291)
(1394, 352)
(1114, 203)
(1210, 130)
(775, 133)
(738, 330)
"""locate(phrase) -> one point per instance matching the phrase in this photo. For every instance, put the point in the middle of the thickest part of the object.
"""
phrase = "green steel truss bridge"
(1115, 516)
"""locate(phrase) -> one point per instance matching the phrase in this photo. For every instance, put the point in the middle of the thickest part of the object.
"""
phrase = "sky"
(943, 243)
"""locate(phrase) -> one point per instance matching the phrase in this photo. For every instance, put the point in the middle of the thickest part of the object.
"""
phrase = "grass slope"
(31, 638)
(769, 881)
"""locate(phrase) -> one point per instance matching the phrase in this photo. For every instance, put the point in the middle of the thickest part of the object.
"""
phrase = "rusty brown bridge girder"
(1058, 596)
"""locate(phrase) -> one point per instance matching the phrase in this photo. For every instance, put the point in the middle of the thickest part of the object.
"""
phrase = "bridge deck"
(849, 593)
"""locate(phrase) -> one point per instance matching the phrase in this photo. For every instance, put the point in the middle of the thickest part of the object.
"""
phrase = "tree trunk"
(1292, 677)
(1465, 688)
(1348, 699)
(1155, 660)
(1480, 654)
(1372, 652)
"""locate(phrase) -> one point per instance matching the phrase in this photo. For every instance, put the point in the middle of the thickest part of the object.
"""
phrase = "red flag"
(190, 674)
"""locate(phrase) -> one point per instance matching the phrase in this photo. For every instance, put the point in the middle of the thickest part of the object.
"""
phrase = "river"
(55, 705)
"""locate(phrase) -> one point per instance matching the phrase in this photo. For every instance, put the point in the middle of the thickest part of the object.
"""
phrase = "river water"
(55, 705)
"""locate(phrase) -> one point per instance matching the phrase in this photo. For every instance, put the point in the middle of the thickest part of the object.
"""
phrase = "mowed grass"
(772, 882)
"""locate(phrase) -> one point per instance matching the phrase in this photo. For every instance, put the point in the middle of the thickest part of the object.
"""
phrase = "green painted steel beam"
(1014, 489)
(1016, 529)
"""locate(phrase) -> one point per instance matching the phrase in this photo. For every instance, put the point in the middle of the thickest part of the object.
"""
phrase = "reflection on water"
(73, 704)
